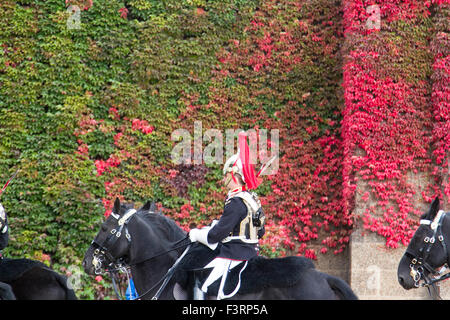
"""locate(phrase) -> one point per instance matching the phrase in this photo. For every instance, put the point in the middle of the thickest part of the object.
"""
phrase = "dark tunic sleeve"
(234, 212)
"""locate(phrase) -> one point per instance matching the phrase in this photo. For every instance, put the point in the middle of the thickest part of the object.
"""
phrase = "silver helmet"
(234, 165)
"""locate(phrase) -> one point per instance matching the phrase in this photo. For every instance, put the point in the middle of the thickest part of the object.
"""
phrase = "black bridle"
(420, 267)
(115, 265)
(103, 249)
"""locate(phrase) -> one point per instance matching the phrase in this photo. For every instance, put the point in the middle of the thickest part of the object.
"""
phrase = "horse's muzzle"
(87, 263)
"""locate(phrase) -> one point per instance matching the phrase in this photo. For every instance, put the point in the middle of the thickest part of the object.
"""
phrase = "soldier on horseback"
(241, 225)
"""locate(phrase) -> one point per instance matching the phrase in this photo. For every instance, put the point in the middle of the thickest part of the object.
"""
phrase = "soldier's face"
(227, 180)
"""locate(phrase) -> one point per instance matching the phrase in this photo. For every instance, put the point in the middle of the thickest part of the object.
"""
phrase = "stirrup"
(197, 293)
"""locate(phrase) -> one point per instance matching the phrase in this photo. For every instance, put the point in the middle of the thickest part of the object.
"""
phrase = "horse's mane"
(157, 221)
(162, 223)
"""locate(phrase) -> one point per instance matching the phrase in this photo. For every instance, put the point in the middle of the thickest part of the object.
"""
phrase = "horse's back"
(296, 278)
(312, 285)
(342, 290)
(323, 286)
(33, 280)
(287, 278)
(42, 284)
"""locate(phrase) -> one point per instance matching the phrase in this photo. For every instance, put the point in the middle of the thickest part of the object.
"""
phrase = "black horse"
(426, 256)
(149, 243)
(32, 280)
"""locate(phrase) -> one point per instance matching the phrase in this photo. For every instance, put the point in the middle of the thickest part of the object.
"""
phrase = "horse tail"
(70, 294)
(341, 288)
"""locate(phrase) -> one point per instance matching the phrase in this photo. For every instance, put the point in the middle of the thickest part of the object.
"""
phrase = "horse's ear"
(433, 209)
(146, 206)
(117, 206)
(153, 207)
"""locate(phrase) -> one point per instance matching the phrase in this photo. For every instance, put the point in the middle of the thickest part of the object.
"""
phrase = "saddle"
(260, 273)
(12, 269)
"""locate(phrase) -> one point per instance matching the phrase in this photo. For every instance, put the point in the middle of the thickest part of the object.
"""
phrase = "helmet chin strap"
(233, 170)
(234, 178)
(227, 182)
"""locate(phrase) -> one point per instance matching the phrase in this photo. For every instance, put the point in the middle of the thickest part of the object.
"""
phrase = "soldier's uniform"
(236, 233)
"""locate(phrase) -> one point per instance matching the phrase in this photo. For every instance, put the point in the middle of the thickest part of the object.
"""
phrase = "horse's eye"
(104, 228)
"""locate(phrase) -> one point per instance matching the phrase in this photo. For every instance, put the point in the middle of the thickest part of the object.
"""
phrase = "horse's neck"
(149, 275)
(153, 246)
(147, 241)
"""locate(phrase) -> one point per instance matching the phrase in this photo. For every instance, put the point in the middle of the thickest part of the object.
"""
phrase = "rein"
(418, 261)
(176, 247)
(165, 279)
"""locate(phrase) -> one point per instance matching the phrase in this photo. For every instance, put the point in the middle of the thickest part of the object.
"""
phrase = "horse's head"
(427, 250)
(112, 243)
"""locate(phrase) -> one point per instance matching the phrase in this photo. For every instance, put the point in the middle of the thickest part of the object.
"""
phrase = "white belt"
(242, 238)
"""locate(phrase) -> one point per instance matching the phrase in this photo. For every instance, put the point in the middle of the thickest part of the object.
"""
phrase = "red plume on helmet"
(251, 180)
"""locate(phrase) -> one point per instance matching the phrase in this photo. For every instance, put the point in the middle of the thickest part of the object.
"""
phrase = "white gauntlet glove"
(3, 226)
(201, 235)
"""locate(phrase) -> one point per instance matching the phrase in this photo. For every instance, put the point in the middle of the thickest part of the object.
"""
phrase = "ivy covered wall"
(394, 146)
(87, 113)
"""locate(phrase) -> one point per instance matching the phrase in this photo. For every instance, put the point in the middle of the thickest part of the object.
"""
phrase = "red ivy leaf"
(123, 12)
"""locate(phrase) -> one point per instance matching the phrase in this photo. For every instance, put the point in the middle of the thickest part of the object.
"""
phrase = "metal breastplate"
(248, 228)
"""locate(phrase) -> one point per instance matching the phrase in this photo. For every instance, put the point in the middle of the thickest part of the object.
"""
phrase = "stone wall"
(336, 265)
